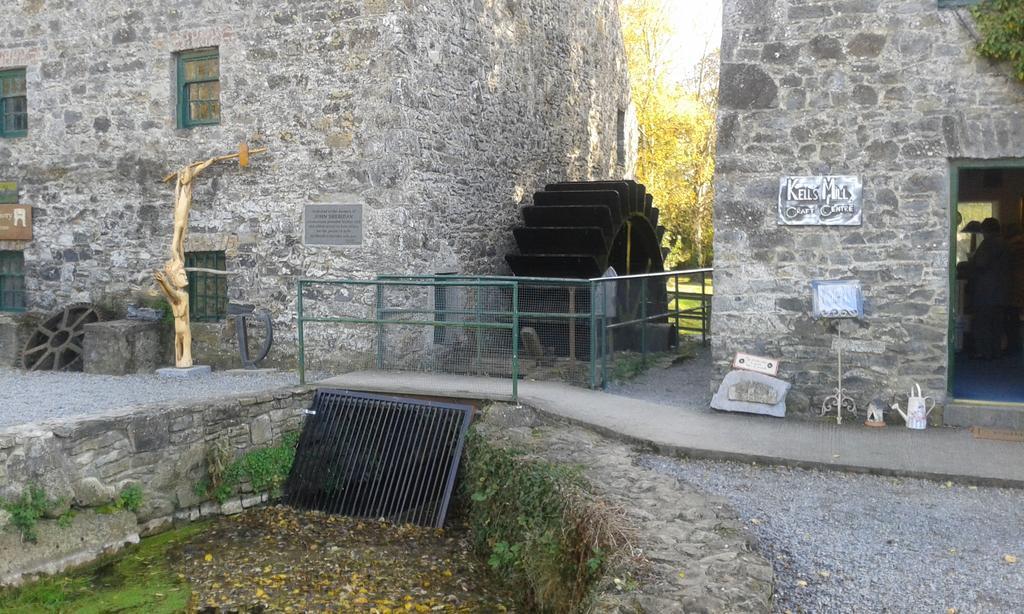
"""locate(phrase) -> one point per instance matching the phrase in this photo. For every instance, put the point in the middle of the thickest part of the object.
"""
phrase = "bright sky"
(698, 25)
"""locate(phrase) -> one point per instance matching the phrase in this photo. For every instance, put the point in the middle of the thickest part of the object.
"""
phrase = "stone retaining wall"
(162, 448)
(694, 553)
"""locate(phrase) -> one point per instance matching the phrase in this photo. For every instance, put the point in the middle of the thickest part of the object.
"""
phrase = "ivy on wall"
(1001, 25)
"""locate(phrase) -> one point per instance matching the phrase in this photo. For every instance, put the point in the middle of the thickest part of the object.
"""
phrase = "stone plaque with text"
(15, 223)
(335, 225)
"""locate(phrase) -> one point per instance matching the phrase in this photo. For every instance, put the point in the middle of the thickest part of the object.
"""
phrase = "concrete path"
(938, 453)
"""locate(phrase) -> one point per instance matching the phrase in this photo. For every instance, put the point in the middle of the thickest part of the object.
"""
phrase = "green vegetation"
(538, 525)
(140, 580)
(676, 121)
(160, 304)
(629, 365)
(265, 469)
(1001, 24)
(26, 511)
(130, 498)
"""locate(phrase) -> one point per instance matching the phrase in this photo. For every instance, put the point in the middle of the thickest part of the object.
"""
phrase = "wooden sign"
(757, 364)
(8, 193)
(15, 222)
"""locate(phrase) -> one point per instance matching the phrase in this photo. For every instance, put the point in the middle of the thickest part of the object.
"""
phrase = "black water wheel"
(56, 344)
(580, 229)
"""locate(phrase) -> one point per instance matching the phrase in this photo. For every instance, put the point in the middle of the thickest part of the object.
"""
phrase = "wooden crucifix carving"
(172, 279)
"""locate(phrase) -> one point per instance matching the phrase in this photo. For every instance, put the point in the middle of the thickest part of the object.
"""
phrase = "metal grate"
(372, 456)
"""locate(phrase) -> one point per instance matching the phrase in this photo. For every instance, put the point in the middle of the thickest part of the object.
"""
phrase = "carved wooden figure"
(172, 279)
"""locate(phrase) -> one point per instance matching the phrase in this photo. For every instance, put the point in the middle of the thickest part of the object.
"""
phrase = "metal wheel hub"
(56, 344)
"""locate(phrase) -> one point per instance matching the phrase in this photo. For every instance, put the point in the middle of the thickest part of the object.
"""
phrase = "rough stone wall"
(890, 90)
(442, 117)
(85, 462)
(672, 526)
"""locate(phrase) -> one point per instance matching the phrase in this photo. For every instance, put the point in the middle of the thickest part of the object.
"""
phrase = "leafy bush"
(130, 498)
(265, 469)
(26, 511)
(1001, 24)
(537, 525)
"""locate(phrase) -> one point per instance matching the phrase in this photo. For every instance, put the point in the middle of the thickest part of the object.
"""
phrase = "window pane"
(12, 86)
(204, 91)
(199, 111)
(199, 70)
(15, 122)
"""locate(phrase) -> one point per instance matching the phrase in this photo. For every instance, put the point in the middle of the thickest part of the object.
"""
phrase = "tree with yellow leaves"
(676, 157)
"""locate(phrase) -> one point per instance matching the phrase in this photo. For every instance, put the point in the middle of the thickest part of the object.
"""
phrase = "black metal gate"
(372, 456)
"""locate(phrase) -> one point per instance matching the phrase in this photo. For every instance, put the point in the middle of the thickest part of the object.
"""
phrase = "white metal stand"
(839, 401)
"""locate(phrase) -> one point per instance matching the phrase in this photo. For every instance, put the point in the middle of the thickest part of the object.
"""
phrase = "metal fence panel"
(504, 327)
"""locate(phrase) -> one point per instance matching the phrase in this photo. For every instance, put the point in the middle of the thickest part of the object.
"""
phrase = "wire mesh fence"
(645, 315)
(501, 327)
(426, 325)
(557, 323)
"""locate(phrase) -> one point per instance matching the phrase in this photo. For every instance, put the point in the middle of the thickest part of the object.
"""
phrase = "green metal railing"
(578, 323)
(383, 314)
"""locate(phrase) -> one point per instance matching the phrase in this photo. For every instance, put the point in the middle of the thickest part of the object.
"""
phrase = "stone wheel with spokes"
(56, 344)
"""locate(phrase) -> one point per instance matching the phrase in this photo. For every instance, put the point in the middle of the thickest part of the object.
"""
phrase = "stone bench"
(120, 347)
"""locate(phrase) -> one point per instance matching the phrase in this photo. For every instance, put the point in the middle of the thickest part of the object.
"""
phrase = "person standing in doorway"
(990, 291)
(1015, 245)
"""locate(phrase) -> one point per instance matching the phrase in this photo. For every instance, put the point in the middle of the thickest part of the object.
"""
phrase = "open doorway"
(987, 282)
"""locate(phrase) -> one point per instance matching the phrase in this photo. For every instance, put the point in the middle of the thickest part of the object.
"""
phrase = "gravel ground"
(35, 396)
(859, 543)
(686, 382)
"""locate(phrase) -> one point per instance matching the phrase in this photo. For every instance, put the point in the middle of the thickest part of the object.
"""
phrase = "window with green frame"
(207, 292)
(12, 280)
(198, 88)
(13, 103)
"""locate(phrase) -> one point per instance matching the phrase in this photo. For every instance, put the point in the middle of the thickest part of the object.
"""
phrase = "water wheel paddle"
(56, 344)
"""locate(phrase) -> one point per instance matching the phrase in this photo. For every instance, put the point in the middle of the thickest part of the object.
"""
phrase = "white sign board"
(837, 299)
(757, 364)
(823, 200)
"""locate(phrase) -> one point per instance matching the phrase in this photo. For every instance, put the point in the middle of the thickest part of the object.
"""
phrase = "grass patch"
(538, 526)
(265, 469)
(626, 366)
(142, 579)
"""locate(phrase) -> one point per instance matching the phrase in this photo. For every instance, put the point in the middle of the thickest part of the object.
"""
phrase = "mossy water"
(277, 559)
(143, 578)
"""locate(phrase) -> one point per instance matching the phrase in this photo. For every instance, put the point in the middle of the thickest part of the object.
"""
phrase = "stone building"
(889, 95)
(438, 118)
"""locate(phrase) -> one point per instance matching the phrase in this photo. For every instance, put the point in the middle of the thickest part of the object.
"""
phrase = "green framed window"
(207, 292)
(12, 280)
(13, 103)
(198, 88)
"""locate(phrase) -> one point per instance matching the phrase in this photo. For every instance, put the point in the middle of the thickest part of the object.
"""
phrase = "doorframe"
(955, 166)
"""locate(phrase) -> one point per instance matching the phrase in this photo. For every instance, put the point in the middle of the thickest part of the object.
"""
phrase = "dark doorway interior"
(988, 285)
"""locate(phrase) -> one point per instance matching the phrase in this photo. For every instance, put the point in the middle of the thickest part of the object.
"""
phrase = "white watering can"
(917, 409)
